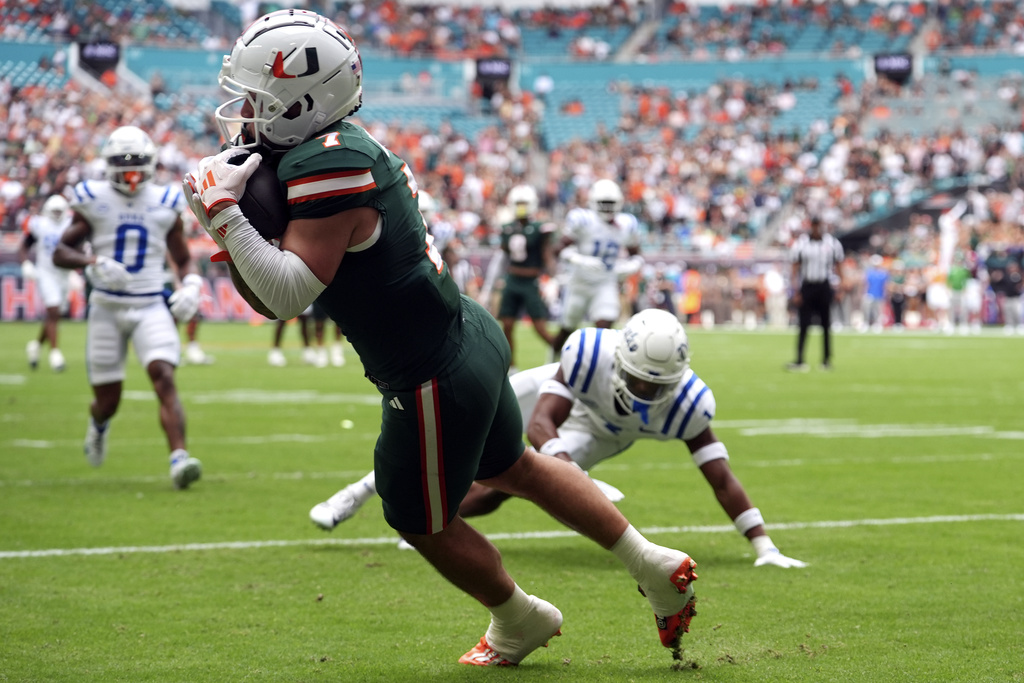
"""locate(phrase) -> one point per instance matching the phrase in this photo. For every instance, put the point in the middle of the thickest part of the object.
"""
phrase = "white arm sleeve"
(281, 280)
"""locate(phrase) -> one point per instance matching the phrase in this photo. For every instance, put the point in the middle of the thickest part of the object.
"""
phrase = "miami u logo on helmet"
(312, 65)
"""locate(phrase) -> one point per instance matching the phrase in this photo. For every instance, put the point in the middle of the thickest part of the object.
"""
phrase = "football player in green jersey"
(357, 244)
(526, 244)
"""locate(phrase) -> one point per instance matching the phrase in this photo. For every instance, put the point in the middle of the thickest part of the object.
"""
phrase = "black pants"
(815, 299)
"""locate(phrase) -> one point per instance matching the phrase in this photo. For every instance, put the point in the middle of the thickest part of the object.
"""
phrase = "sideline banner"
(20, 300)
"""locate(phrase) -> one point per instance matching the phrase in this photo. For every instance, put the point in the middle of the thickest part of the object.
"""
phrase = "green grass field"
(899, 477)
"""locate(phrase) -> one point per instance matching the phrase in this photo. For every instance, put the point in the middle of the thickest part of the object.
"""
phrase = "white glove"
(28, 270)
(626, 267)
(190, 188)
(773, 557)
(609, 491)
(184, 303)
(108, 274)
(573, 256)
(220, 181)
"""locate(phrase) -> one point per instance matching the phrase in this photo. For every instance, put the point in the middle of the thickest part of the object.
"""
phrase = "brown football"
(264, 202)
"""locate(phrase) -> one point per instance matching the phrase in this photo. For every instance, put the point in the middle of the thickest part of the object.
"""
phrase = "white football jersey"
(46, 232)
(596, 237)
(587, 367)
(132, 230)
(443, 232)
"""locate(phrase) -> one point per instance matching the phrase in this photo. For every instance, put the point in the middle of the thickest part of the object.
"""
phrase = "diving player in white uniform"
(593, 242)
(610, 388)
(44, 231)
(132, 225)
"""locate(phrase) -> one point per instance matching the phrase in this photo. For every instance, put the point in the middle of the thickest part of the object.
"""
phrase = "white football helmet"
(522, 199)
(428, 206)
(651, 357)
(56, 208)
(298, 71)
(130, 157)
(605, 198)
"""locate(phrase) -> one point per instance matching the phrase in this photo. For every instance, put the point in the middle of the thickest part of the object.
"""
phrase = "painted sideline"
(714, 529)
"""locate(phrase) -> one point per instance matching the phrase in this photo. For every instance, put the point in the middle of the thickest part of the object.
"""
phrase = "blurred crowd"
(704, 171)
(733, 32)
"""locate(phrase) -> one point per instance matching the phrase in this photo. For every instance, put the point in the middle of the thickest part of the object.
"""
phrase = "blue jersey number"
(121, 244)
(607, 252)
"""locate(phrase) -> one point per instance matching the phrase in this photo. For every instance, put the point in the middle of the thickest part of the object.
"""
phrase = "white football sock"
(364, 489)
(652, 566)
(521, 624)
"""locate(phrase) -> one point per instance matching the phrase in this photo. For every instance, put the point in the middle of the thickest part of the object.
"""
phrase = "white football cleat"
(337, 355)
(321, 358)
(56, 360)
(309, 355)
(184, 469)
(195, 355)
(276, 358)
(96, 443)
(509, 644)
(335, 509)
(668, 587)
(32, 353)
(609, 491)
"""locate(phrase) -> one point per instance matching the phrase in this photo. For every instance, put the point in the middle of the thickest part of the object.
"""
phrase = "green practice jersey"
(524, 243)
(393, 298)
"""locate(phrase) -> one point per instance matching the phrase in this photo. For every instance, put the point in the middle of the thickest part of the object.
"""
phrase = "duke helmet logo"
(630, 338)
(312, 65)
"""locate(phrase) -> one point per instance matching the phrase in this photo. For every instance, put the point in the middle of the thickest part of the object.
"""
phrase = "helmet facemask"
(131, 159)
(605, 199)
(523, 201)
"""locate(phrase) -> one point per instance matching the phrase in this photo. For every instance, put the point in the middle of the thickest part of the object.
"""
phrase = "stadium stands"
(763, 99)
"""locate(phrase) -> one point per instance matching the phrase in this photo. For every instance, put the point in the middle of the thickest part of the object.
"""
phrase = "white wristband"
(713, 451)
(554, 447)
(281, 280)
(747, 520)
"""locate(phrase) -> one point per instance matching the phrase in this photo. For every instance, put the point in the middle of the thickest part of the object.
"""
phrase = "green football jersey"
(394, 299)
(524, 244)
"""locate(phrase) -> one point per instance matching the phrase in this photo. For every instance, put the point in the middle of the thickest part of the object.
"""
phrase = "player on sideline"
(592, 244)
(133, 225)
(611, 388)
(356, 242)
(44, 231)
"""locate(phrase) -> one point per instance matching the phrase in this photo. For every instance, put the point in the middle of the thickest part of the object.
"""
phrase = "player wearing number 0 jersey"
(132, 230)
(132, 226)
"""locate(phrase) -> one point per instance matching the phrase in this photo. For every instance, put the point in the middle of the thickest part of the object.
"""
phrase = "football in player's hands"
(264, 202)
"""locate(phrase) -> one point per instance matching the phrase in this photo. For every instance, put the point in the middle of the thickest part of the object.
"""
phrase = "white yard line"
(807, 427)
(624, 464)
(384, 540)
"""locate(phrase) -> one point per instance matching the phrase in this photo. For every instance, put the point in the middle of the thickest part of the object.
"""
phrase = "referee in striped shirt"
(817, 257)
